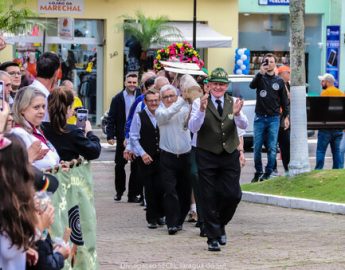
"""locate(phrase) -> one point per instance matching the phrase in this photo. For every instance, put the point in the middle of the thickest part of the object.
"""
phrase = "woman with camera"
(69, 140)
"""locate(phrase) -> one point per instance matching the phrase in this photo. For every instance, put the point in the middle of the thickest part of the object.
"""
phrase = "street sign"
(274, 2)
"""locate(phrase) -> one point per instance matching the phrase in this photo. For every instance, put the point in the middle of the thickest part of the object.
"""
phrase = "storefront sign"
(274, 2)
(333, 51)
(66, 28)
(61, 7)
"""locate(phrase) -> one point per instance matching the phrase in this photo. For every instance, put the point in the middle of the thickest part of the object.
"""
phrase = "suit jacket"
(117, 117)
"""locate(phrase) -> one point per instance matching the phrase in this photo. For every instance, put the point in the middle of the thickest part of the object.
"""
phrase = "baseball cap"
(45, 181)
(327, 77)
(283, 68)
(218, 75)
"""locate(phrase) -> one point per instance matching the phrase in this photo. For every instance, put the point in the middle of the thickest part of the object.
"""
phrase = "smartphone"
(332, 58)
(82, 116)
(265, 62)
(2, 95)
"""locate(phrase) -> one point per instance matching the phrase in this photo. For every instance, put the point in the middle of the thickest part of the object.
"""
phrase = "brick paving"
(259, 237)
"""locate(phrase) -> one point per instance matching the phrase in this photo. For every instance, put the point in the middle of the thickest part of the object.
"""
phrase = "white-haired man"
(175, 145)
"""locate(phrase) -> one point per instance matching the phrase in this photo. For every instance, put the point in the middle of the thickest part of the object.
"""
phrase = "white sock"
(193, 207)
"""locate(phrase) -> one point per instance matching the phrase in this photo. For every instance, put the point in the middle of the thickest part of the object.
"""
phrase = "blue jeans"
(325, 137)
(342, 151)
(265, 128)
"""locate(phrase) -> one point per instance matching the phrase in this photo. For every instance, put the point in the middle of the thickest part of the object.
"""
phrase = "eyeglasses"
(153, 101)
(13, 73)
(170, 96)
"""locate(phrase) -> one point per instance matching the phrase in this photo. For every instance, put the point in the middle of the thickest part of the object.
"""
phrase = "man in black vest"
(118, 113)
(215, 121)
(144, 141)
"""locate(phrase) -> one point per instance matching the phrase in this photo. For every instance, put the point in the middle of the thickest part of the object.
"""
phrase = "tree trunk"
(299, 158)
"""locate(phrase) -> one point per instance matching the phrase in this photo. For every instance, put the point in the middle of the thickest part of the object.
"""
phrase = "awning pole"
(194, 25)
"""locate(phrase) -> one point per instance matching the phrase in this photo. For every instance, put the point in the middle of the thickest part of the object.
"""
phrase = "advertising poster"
(66, 28)
(333, 51)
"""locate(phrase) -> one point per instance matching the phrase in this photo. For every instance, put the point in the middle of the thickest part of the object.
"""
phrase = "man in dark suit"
(215, 120)
(118, 113)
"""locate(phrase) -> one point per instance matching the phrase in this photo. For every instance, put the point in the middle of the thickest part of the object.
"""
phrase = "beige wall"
(222, 15)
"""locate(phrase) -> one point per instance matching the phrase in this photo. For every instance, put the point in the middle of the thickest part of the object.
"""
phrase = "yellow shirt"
(76, 104)
(332, 91)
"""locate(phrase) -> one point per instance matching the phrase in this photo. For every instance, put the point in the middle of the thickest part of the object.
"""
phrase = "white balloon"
(244, 57)
(239, 62)
(243, 67)
(239, 71)
(240, 51)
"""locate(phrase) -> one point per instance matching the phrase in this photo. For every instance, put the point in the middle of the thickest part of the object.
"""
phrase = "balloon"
(243, 67)
(239, 71)
(240, 51)
(244, 57)
(239, 62)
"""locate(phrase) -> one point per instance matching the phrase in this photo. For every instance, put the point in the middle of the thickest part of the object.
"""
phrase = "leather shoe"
(172, 230)
(152, 226)
(213, 245)
(179, 227)
(133, 200)
(222, 239)
(117, 197)
(202, 230)
(161, 221)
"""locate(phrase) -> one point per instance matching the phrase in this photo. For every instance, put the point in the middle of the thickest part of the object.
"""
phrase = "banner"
(61, 6)
(333, 51)
(75, 193)
(274, 2)
(66, 28)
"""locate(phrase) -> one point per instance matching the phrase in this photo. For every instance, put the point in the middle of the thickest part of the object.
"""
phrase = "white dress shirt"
(174, 137)
(197, 119)
(129, 99)
(134, 133)
(38, 85)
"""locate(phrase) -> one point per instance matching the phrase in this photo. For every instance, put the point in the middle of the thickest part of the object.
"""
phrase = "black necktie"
(219, 107)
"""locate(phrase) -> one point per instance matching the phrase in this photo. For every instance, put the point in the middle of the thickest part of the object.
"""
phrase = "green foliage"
(148, 31)
(324, 185)
(13, 19)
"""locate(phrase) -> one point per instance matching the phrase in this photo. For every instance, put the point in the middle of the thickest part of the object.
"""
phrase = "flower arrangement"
(179, 52)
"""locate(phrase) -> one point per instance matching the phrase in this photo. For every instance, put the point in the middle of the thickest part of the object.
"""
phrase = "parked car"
(239, 87)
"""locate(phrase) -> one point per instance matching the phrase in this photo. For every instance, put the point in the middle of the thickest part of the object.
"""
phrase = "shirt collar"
(214, 99)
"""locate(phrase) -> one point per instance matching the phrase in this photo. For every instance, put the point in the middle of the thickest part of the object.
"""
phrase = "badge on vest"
(231, 116)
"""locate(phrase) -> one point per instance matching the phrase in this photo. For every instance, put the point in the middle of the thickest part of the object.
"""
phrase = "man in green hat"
(215, 118)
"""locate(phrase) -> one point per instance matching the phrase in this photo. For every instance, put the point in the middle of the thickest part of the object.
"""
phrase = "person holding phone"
(271, 97)
(70, 141)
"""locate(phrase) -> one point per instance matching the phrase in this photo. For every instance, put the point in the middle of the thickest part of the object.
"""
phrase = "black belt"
(175, 155)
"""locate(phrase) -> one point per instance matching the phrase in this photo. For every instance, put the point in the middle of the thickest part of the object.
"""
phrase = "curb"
(295, 203)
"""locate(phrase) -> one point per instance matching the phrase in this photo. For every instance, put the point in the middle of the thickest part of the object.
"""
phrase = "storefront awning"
(206, 37)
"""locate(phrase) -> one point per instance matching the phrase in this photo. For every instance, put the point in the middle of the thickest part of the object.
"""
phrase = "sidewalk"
(259, 237)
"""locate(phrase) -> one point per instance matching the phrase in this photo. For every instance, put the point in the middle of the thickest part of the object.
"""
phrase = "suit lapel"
(228, 105)
(212, 108)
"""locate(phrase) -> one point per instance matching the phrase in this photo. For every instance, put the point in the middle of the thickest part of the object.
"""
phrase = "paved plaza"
(259, 237)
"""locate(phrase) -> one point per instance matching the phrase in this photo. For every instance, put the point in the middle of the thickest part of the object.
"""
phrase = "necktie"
(219, 107)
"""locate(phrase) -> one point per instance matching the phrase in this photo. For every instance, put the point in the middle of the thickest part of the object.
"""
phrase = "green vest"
(218, 133)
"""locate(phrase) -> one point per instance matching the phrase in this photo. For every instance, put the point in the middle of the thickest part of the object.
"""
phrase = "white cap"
(327, 77)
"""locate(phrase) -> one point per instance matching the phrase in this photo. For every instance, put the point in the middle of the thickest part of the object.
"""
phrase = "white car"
(239, 87)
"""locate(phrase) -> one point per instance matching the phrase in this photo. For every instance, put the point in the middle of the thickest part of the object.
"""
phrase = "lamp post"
(194, 24)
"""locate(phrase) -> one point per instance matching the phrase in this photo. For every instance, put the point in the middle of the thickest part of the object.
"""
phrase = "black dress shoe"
(172, 230)
(222, 239)
(179, 227)
(202, 230)
(152, 226)
(161, 221)
(133, 200)
(213, 245)
(117, 197)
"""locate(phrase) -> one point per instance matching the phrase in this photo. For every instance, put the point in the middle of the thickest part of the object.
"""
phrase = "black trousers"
(120, 174)
(219, 177)
(175, 174)
(153, 189)
(196, 186)
(284, 146)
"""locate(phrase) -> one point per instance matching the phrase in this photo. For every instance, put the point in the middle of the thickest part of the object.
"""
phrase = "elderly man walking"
(215, 121)
(175, 145)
